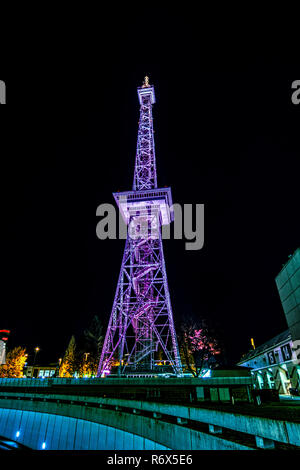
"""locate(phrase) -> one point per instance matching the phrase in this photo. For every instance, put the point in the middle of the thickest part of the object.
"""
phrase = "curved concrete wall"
(65, 433)
(167, 435)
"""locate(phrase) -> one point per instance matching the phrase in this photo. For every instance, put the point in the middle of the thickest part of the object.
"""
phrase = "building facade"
(3, 338)
(288, 285)
(40, 372)
(276, 363)
(2, 352)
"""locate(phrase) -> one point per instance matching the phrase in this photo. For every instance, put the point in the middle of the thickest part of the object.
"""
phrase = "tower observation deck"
(140, 337)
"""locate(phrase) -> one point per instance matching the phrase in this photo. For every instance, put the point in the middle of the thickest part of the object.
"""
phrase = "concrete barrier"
(54, 432)
(164, 434)
(261, 428)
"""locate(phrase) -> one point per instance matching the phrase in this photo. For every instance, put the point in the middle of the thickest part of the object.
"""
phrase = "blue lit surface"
(56, 432)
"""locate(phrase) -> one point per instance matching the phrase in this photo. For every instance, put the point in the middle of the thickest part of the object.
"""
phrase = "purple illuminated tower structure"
(141, 333)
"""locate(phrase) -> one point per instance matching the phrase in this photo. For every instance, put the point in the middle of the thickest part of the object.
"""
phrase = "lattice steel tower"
(141, 333)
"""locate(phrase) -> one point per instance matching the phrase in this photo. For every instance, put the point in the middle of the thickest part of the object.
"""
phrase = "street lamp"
(36, 350)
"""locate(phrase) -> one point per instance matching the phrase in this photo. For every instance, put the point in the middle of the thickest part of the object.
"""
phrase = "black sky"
(226, 135)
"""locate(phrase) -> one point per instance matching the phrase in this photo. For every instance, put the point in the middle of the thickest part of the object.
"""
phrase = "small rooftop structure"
(270, 344)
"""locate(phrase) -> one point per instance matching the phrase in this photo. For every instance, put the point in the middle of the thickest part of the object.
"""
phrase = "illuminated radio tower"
(141, 331)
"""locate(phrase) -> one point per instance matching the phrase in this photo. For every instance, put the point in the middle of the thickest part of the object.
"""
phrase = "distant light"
(44, 445)
(17, 433)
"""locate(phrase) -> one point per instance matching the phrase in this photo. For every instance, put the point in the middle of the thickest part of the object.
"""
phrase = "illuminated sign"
(271, 357)
(286, 352)
(4, 334)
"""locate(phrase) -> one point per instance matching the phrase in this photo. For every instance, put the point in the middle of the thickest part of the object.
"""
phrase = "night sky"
(226, 135)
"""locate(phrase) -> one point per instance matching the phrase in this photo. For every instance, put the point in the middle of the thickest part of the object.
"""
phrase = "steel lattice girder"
(141, 320)
(145, 164)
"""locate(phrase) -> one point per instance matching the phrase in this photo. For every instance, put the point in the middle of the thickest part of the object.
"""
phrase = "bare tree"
(93, 341)
(94, 335)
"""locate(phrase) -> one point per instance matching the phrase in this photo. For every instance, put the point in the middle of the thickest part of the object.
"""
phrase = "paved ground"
(282, 410)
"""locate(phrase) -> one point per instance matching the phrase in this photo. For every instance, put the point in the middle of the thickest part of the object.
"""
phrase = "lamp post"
(59, 364)
(86, 355)
(36, 350)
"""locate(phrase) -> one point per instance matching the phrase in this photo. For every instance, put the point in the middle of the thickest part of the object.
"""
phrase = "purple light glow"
(141, 323)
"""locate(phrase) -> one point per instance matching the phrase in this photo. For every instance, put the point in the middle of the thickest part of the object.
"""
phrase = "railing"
(198, 382)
